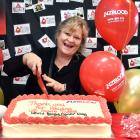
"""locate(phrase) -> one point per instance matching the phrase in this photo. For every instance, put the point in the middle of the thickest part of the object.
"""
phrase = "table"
(116, 128)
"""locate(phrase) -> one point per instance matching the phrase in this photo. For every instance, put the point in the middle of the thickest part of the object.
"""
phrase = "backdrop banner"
(2, 18)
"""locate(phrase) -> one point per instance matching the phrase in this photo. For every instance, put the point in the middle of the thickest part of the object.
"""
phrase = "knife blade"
(41, 83)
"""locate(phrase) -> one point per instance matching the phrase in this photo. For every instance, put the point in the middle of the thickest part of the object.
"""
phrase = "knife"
(41, 83)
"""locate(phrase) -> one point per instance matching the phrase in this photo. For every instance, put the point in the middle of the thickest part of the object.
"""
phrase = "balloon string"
(116, 106)
(121, 56)
(129, 21)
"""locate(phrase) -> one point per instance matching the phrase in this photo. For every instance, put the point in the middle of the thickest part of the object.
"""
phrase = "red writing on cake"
(81, 101)
(35, 103)
(48, 108)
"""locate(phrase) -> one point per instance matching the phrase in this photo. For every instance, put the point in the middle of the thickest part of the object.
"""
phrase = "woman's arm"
(33, 62)
(57, 86)
(15, 67)
(26, 64)
(22, 65)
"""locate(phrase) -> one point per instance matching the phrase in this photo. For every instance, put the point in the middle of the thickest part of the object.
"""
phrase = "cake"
(55, 116)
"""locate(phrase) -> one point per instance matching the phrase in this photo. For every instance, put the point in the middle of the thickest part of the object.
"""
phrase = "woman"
(58, 66)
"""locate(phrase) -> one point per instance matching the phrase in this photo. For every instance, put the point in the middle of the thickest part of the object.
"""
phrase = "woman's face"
(69, 41)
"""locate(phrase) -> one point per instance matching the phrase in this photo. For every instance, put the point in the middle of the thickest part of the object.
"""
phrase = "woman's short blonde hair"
(73, 23)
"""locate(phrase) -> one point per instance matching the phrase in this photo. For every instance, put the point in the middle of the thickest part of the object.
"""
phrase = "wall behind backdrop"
(31, 24)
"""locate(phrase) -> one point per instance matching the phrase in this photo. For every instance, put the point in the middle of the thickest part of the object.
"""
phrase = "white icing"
(69, 108)
(54, 131)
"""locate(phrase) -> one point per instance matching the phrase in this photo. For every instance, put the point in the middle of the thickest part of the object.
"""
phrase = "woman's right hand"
(33, 62)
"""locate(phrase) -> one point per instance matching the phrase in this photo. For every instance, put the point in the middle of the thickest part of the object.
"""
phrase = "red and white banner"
(2, 18)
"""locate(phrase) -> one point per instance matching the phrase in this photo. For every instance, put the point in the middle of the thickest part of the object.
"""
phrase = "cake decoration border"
(23, 118)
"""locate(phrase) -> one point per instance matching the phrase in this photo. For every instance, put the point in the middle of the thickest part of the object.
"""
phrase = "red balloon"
(103, 74)
(117, 21)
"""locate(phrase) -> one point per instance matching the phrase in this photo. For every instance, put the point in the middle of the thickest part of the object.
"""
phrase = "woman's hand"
(57, 86)
(33, 61)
